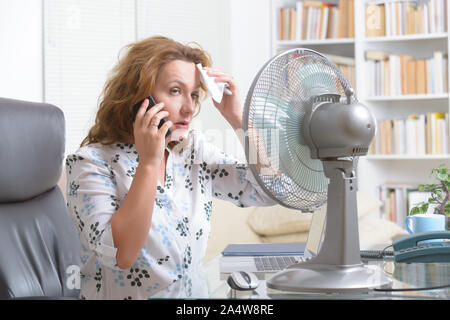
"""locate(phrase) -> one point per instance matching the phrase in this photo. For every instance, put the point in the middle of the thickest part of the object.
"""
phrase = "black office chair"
(39, 245)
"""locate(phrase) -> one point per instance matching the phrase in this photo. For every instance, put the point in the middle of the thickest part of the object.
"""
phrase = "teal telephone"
(416, 248)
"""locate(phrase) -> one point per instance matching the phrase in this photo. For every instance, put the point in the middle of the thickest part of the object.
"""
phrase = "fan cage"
(273, 118)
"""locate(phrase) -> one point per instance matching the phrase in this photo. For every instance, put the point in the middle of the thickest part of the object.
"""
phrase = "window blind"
(206, 22)
(82, 40)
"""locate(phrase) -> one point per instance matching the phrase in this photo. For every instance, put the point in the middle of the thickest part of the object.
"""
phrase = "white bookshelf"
(413, 37)
(375, 170)
(410, 97)
(407, 157)
(326, 42)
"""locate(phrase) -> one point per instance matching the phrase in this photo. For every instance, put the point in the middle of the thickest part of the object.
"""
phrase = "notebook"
(262, 258)
(265, 249)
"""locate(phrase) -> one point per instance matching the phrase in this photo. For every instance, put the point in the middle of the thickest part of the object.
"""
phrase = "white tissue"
(215, 89)
(179, 135)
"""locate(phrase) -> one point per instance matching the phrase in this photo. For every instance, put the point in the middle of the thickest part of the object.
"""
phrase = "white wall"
(82, 39)
(250, 48)
(235, 32)
(250, 39)
(21, 60)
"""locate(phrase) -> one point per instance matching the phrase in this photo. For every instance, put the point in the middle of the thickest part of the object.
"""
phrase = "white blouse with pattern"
(169, 264)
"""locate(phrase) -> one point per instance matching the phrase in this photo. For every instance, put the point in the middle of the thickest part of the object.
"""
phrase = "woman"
(142, 206)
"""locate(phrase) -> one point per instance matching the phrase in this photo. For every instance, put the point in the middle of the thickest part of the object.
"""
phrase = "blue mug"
(419, 223)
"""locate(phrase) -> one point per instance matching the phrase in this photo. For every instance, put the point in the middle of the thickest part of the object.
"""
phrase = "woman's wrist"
(148, 166)
(236, 123)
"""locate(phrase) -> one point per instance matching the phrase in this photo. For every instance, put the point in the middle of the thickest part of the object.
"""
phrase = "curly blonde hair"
(132, 80)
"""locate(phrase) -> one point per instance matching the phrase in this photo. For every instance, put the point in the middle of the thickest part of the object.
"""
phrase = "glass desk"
(404, 276)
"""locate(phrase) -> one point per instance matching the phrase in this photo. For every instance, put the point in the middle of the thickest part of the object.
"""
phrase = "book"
(421, 77)
(438, 65)
(282, 23)
(299, 21)
(411, 136)
(332, 23)
(376, 55)
(405, 59)
(437, 131)
(292, 25)
(351, 19)
(343, 19)
(265, 249)
(375, 20)
(429, 147)
(421, 134)
(387, 79)
(410, 77)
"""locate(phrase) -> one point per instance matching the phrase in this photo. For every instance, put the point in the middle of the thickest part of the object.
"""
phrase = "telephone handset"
(152, 102)
(416, 248)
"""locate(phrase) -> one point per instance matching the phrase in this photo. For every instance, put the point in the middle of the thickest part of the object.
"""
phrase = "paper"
(215, 89)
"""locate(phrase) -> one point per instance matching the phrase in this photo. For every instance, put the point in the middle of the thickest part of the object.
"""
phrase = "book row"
(399, 199)
(317, 20)
(397, 18)
(414, 135)
(401, 74)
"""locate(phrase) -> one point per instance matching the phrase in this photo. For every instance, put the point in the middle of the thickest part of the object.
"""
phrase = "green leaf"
(424, 208)
(441, 194)
(421, 188)
(431, 200)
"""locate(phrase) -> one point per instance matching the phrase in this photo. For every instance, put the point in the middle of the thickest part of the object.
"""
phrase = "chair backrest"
(39, 245)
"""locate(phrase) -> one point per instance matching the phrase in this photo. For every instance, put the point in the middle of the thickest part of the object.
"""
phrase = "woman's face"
(178, 86)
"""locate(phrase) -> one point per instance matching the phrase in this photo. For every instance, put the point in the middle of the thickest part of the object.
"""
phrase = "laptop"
(262, 258)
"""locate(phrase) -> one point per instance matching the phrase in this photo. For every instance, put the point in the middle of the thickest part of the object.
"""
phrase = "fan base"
(329, 279)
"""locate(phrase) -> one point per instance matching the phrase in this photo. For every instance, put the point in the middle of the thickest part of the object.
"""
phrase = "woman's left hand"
(230, 106)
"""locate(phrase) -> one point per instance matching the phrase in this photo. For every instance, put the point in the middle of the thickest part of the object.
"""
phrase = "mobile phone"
(152, 102)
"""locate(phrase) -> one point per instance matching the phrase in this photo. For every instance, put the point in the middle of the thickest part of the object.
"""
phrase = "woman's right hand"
(150, 141)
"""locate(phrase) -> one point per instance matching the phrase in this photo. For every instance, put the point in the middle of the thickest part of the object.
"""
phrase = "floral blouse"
(169, 264)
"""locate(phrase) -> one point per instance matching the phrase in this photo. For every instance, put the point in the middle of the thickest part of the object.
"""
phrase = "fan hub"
(339, 130)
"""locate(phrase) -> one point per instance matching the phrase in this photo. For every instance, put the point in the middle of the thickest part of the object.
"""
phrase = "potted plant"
(440, 194)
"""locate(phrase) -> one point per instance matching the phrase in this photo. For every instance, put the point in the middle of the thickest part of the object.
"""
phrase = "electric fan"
(304, 133)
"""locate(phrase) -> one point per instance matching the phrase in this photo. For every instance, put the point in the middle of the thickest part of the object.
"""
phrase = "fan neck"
(341, 242)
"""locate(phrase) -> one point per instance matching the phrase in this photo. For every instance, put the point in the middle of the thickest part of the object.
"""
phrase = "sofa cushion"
(278, 220)
(375, 231)
(372, 231)
(228, 225)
